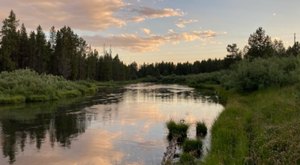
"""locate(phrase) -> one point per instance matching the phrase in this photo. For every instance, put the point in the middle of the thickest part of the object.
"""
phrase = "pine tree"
(42, 55)
(9, 43)
(23, 50)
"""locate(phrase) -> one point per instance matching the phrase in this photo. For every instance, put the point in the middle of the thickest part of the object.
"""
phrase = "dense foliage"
(26, 85)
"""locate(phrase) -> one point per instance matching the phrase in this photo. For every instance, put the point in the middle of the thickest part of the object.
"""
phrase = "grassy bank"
(258, 128)
(28, 86)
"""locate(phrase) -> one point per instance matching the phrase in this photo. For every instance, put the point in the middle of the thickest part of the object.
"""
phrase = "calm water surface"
(125, 126)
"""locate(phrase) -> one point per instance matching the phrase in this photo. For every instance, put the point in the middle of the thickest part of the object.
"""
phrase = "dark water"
(115, 127)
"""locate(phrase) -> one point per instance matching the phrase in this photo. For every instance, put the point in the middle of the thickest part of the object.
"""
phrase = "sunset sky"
(162, 30)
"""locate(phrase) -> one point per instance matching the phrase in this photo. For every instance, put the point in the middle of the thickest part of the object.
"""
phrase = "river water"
(125, 126)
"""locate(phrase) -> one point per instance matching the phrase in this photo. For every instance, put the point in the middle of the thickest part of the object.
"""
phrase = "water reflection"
(115, 127)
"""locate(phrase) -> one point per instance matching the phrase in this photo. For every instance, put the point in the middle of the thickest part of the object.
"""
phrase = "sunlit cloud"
(158, 13)
(91, 15)
(130, 42)
(182, 23)
(146, 31)
(143, 13)
(135, 43)
(94, 15)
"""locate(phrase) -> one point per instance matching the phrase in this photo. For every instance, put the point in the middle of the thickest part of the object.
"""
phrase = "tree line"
(260, 45)
(66, 54)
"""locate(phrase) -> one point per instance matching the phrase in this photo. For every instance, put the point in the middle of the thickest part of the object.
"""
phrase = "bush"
(178, 130)
(201, 129)
(194, 147)
(20, 85)
(187, 159)
(263, 73)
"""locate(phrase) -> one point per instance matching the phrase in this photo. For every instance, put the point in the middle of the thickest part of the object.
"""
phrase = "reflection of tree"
(60, 121)
(66, 127)
(62, 128)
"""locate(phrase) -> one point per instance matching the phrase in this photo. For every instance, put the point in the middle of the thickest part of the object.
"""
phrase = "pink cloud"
(135, 43)
(91, 15)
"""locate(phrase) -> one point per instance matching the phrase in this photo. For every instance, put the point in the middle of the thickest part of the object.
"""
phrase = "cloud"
(171, 31)
(182, 23)
(135, 43)
(91, 15)
(146, 31)
(142, 13)
(129, 42)
(94, 15)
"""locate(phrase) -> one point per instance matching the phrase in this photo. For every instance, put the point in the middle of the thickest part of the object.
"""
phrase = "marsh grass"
(178, 130)
(28, 86)
(258, 128)
(187, 159)
(193, 147)
(201, 129)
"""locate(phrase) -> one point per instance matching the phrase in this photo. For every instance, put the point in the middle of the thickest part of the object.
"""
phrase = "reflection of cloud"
(94, 147)
(146, 113)
(135, 43)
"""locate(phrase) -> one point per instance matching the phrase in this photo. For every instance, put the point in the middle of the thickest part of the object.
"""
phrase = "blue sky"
(162, 30)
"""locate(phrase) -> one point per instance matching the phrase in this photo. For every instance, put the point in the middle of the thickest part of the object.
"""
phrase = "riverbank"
(257, 128)
(22, 86)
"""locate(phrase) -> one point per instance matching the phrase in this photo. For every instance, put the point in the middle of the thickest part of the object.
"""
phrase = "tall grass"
(258, 128)
(26, 85)
(177, 130)
(193, 147)
(201, 129)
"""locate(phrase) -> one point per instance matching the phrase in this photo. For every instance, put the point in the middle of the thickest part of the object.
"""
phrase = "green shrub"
(187, 159)
(178, 130)
(20, 84)
(201, 129)
(193, 147)
(263, 73)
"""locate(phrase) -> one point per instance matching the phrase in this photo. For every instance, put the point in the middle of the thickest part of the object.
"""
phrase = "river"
(124, 126)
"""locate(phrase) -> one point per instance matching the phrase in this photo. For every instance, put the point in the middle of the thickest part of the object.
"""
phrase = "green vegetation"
(258, 74)
(187, 159)
(28, 86)
(201, 129)
(260, 123)
(193, 147)
(258, 128)
(177, 130)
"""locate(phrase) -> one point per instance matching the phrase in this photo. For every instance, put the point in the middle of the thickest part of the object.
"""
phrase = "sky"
(147, 31)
